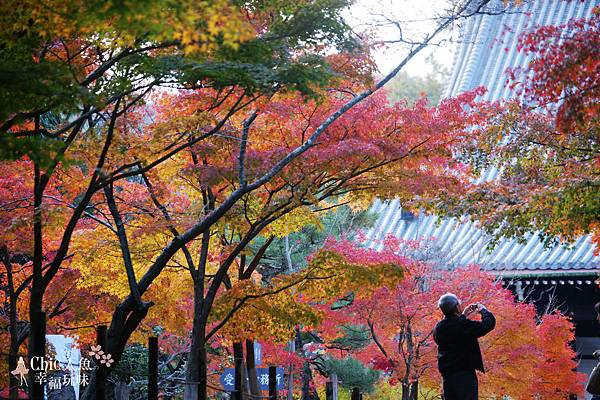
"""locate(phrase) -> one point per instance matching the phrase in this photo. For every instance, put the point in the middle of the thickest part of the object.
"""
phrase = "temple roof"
(487, 48)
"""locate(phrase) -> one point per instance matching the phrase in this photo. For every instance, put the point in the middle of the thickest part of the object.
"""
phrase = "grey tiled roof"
(487, 49)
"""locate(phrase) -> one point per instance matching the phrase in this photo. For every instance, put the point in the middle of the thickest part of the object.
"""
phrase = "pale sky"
(415, 18)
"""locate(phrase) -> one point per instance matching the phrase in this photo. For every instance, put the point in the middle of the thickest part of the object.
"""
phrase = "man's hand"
(470, 309)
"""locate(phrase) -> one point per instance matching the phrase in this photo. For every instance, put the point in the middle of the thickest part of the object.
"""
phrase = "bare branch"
(124, 244)
(243, 144)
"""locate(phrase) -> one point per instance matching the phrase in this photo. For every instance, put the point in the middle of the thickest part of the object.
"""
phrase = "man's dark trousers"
(461, 385)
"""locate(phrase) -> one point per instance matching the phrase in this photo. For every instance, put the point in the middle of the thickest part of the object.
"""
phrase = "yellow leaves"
(267, 312)
(293, 222)
(253, 209)
(272, 311)
(97, 258)
(172, 294)
(198, 25)
(360, 202)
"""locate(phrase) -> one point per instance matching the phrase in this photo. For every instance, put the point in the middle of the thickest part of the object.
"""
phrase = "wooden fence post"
(334, 384)
(239, 365)
(251, 368)
(272, 383)
(290, 378)
(38, 327)
(101, 372)
(328, 390)
(355, 393)
(152, 368)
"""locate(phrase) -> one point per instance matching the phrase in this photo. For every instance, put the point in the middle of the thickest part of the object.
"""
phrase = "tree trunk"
(125, 319)
(414, 390)
(12, 364)
(37, 334)
(250, 365)
(122, 391)
(13, 328)
(409, 388)
(238, 354)
(288, 254)
(309, 391)
(37, 340)
(405, 391)
(197, 358)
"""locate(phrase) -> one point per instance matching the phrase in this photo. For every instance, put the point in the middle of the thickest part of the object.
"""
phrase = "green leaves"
(36, 148)
(65, 56)
(28, 86)
(352, 373)
(354, 337)
(411, 88)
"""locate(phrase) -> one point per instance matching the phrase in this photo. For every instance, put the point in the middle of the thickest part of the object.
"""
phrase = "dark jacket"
(458, 348)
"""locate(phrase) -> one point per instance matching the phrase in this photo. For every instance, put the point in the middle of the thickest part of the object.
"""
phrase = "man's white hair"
(448, 303)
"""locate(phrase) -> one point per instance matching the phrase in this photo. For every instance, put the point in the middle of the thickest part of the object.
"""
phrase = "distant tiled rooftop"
(486, 50)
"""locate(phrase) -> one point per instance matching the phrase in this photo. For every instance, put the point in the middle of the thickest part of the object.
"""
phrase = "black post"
(251, 368)
(355, 393)
(328, 390)
(272, 383)
(38, 325)
(239, 365)
(152, 368)
(101, 374)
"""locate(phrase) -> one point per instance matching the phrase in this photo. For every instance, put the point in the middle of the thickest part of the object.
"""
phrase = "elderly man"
(458, 349)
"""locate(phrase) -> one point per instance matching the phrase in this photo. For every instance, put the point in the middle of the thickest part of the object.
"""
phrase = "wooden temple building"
(565, 275)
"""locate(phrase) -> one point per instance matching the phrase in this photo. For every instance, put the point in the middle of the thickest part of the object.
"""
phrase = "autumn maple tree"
(354, 160)
(399, 319)
(167, 136)
(67, 305)
(78, 68)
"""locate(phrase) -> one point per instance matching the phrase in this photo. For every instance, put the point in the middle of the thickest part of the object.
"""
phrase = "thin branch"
(188, 256)
(243, 300)
(124, 244)
(256, 259)
(243, 144)
(116, 175)
(378, 343)
(70, 228)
